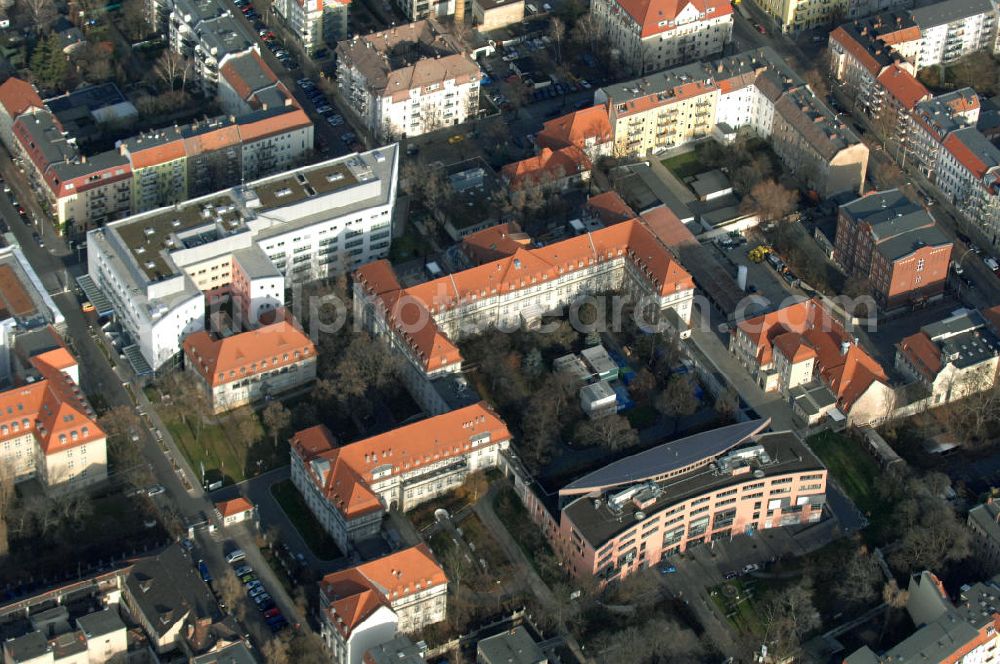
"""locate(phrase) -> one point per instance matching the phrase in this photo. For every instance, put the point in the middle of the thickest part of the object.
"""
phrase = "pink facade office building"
(714, 485)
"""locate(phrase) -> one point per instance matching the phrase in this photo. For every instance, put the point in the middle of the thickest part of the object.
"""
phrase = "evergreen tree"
(49, 63)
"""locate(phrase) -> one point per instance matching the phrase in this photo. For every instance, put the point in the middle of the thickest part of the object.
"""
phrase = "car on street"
(155, 490)
(667, 569)
(206, 576)
(243, 570)
(731, 574)
(257, 591)
(266, 605)
(752, 567)
(272, 613)
(457, 138)
(261, 599)
(324, 109)
(278, 625)
(236, 556)
(87, 307)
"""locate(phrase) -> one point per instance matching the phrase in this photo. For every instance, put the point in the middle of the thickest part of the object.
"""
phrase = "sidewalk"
(484, 510)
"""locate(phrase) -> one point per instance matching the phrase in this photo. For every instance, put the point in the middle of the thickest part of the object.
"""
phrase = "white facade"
(375, 630)
(419, 9)
(660, 40)
(310, 223)
(953, 29)
(316, 23)
(396, 100)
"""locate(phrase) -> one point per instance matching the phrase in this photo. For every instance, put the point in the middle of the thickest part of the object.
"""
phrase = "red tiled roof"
(922, 353)
(275, 124)
(902, 85)
(494, 242)
(856, 50)
(355, 593)
(230, 72)
(548, 163)
(347, 482)
(610, 208)
(17, 96)
(234, 358)
(53, 409)
(233, 507)
(848, 373)
(965, 155)
(794, 347)
(407, 309)
(653, 16)
(576, 128)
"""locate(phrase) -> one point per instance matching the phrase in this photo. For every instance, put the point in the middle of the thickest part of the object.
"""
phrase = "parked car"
(206, 576)
(667, 569)
(272, 613)
(266, 605)
(155, 490)
(236, 556)
(261, 599)
(248, 578)
(752, 567)
(256, 591)
(243, 570)
(731, 574)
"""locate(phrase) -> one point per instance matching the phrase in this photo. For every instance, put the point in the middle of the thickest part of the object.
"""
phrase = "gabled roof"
(234, 358)
(53, 409)
(494, 242)
(844, 366)
(794, 347)
(547, 164)
(656, 16)
(345, 473)
(17, 96)
(922, 353)
(902, 85)
(610, 208)
(356, 593)
(576, 128)
(407, 309)
(233, 507)
(973, 151)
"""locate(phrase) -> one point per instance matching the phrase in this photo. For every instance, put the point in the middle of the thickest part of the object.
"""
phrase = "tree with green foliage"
(49, 65)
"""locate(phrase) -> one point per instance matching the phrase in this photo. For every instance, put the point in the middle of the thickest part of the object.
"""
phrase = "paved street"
(98, 376)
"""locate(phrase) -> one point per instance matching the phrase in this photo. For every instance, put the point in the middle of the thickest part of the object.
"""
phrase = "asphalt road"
(56, 266)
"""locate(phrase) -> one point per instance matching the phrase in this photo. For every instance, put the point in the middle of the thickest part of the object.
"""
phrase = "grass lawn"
(213, 449)
(736, 602)
(684, 165)
(321, 544)
(528, 536)
(484, 547)
(856, 472)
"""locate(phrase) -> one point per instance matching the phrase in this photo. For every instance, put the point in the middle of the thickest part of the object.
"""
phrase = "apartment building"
(365, 606)
(16, 97)
(895, 245)
(862, 50)
(161, 270)
(408, 80)
(968, 172)
(206, 31)
(951, 358)
(266, 133)
(562, 169)
(933, 120)
(805, 354)
(953, 29)
(251, 366)
(315, 23)
(588, 129)
(49, 431)
(25, 307)
(350, 487)
(166, 596)
(963, 630)
(649, 36)
(512, 291)
(754, 89)
(637, 512)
